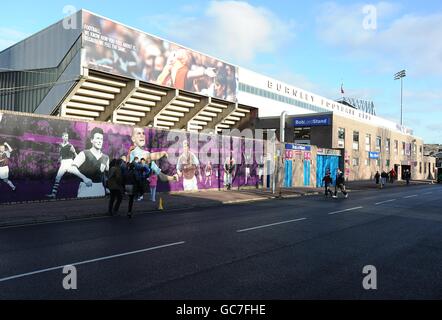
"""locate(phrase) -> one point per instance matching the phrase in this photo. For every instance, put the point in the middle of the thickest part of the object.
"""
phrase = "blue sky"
(314, 45)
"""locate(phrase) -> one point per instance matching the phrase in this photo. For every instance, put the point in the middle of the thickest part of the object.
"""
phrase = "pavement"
(74, 209)
(308, 247)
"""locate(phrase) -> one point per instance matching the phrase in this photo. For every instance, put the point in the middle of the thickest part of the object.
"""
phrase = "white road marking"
(414, 195)
(384, 201)
(269, 225)
(90, 261)
(355, 208)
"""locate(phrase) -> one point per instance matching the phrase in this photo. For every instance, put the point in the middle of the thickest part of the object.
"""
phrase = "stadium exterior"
(88, 67)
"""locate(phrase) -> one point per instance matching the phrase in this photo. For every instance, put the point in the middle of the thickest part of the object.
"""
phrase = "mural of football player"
(89, 165)
(138, 151)
(208, 172)
(261, 171)
(229, 171)
(188, 167)
(5, 154)
(67, 156)
(248, 161)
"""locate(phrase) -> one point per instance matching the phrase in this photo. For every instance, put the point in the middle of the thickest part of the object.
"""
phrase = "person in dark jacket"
(407, 176)
(384, 177)
(340, 184)
(131, 187)
(327, 179)
(115, 184)
(142, 173)
(377, 176)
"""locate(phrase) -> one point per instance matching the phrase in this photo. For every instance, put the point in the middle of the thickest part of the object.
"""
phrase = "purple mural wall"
(45, 158)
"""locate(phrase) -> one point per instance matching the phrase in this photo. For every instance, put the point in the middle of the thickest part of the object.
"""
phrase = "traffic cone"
(160, 206)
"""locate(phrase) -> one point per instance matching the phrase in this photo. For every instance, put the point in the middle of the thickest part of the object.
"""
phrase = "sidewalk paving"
(62, 210)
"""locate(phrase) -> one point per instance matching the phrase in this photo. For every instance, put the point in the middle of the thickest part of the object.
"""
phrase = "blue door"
(324, 163)
(306, 173)
(288, 167)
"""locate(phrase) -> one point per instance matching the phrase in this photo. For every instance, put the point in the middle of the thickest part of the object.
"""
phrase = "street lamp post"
(281, 148)
(399, 75)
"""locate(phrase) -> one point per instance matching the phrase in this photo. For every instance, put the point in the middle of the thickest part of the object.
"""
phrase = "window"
(367, 142)
(420, 167)
(396, 146)
(403, 149)
(341, 138)
(378, 162)
(302, 134)
(367, 162)
(355, 140)
(408, 149)
(341, 133)
(378, 143)
(387, 146)
(420, 149)
(387, 163)
(355, 161)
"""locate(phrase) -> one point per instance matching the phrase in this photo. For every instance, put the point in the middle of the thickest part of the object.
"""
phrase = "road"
(303, 248)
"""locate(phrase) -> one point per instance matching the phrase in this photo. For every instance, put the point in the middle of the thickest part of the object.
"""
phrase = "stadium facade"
(89, 67)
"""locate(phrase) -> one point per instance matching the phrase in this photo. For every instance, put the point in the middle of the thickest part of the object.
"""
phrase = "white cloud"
(9, 36)
(232, 30)
(412, 41)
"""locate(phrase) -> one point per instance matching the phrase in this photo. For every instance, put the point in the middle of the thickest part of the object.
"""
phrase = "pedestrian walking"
(327, 179)
(377, 176)
(340, 184)
(153, 180)
(384, 176)
(407, 176)
(131, 186)
(392, 175)
(115, 184)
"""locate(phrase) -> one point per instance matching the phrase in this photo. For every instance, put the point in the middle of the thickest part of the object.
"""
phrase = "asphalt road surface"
(303, 248)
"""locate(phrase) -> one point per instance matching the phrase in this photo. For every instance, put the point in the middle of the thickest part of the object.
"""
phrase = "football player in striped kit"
(5, 154)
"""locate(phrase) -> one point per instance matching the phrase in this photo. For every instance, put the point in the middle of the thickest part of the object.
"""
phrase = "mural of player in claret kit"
(137, 150)
(187, 167)
(229, 171)
(208, 171)
(67, 156)
(89, 165)
(5, 154)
